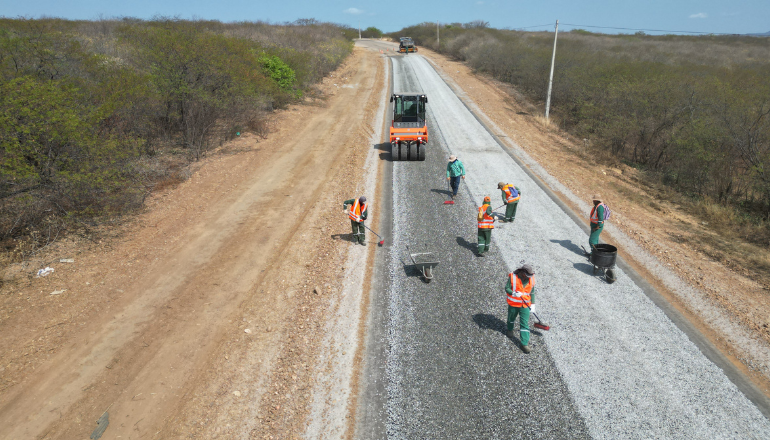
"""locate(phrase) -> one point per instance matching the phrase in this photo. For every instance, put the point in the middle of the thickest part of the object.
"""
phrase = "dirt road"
(206, 317)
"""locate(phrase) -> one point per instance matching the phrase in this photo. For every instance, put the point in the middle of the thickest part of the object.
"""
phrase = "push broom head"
(542, 326)
(449, 202)
(381, 242)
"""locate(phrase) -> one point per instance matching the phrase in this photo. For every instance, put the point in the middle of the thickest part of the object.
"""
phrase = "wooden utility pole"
(438, 39)
(359, 30)
(550, 79)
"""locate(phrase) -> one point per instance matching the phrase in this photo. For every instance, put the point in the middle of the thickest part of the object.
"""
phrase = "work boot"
(363, 243)
(509, 334)
(526, 348)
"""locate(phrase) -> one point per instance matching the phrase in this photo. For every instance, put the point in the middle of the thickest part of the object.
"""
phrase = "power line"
(646, 30)
(530, 27)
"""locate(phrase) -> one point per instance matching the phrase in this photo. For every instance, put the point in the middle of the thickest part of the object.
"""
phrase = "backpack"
(607, 211)
(514, 191)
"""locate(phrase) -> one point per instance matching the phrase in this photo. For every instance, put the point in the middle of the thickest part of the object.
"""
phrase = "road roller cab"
(409, 129)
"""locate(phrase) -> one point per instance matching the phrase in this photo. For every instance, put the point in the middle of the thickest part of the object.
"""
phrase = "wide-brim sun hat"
(526, 269)
(501, 185)
(452, 158)
(597, 197)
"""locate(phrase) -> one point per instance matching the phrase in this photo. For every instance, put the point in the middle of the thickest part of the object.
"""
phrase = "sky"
(711, 16)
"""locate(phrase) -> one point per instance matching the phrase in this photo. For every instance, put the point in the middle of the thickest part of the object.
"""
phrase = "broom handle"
(530, 309)
(370, 230)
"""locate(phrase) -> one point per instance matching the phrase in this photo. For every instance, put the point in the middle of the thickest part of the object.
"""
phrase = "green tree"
(371, 32)
(281, 73)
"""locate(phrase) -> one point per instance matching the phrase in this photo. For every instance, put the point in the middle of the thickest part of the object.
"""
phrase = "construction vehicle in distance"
(407, 45)
(409, 129)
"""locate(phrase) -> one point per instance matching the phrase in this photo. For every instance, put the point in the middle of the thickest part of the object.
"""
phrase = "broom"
(539, 324)
(382, 240)
(450, 201)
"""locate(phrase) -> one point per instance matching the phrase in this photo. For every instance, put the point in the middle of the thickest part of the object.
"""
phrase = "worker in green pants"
(358, 212)
(520, 291)
(511, 196)
(597, 221)
(486, 224)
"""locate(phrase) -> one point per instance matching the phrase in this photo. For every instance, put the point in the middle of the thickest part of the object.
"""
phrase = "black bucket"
(604, 255)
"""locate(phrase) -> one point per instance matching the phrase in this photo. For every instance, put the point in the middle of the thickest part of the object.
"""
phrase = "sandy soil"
(666, 230)
(201, 317)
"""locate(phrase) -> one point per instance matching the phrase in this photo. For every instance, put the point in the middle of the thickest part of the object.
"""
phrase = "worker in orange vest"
(511, 196)
(358, 212)
(486, 224)
(520, 290)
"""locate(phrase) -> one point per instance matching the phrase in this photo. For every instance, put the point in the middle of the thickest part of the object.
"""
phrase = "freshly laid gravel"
(452, 373)
(612, 365)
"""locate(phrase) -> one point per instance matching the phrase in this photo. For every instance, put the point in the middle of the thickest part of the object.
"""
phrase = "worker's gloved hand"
(532, 308)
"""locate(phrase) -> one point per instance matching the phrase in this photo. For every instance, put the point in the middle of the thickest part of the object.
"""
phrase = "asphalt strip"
(614, 365)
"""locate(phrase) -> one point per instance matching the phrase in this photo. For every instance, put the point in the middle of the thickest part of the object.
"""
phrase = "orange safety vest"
(595, 215)
(521, 295)
(486, 222)
(356, 210)
(509, 194)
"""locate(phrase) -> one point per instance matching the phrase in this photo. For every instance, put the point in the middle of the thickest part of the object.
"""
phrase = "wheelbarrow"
(603, 260)
(425, 261)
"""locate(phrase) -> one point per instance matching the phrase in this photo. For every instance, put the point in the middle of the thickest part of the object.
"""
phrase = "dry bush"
(260, 124)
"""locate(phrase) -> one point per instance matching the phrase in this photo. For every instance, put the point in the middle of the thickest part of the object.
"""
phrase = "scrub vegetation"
(692, 112)
(94, 115)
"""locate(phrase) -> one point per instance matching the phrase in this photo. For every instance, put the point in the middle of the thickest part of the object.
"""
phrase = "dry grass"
(549, 124)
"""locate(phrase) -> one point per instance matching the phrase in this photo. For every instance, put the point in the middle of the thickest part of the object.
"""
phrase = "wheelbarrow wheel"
(609, 276)
(428, 274)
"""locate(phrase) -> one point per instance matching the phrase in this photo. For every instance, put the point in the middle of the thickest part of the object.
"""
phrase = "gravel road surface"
(613, 364)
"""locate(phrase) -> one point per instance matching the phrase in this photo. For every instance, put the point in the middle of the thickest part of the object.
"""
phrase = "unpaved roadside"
(203, 318)
(663, 229)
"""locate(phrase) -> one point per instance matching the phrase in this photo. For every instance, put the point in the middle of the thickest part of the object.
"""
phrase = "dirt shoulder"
(662, 226)
(201, 317)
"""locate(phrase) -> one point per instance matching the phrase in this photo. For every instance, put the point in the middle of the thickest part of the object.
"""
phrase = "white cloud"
(699, 15)
(353, 11)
